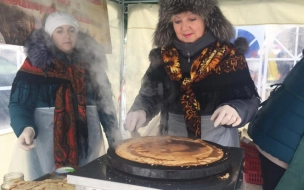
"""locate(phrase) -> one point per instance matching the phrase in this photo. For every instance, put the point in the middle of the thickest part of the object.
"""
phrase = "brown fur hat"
(207, 9)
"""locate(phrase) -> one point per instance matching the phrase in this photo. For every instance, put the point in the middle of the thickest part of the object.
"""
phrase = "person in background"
(278, 132)
(197, 79)
(61, 96)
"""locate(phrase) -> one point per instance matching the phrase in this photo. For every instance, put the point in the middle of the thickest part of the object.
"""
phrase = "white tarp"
(257, 12)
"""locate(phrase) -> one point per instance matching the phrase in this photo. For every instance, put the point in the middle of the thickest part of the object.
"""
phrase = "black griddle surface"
(101, 170)
(169, 172)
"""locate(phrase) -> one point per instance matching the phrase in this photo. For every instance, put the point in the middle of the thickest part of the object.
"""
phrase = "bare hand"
(134, 120)
(25, 140)
(226, 115)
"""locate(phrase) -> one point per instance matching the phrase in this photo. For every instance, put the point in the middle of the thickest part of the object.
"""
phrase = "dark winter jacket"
(41, 53)
(159, 93)
(279, 125)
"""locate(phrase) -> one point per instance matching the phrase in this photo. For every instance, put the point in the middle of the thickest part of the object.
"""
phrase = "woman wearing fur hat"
(197, 79)
(60, 96)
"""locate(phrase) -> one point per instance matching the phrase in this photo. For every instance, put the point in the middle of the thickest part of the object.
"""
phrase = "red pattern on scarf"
(65, 138)
(211, 61)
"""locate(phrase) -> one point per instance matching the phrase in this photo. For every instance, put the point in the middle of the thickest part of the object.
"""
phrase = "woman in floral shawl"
(197, 78)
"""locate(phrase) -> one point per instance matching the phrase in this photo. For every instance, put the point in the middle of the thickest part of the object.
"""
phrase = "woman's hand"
(25, 140)
(226, 115)
(134, 120)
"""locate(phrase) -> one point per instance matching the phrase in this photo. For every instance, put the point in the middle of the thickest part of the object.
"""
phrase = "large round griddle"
(169, 172)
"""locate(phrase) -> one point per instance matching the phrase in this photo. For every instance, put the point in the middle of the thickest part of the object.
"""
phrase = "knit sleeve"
(21, 108)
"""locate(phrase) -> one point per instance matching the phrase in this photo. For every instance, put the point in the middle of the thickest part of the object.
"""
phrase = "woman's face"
(65, 37)
(188, 27)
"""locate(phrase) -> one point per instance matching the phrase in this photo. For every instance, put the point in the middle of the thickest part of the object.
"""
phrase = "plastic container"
(250, 150)
(11, 178)
(64, 170)
(253, 177)
(252, 164)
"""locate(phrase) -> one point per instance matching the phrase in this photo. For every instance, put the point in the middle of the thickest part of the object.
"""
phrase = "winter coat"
(293, 177)
(159, 93)
(278, 127)
(41, 52)
(33, 97)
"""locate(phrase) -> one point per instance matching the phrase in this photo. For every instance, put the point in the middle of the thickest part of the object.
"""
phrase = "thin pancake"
(169, 151)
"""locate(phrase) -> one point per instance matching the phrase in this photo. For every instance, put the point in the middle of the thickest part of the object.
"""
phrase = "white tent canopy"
(257, 12)
(269, 21)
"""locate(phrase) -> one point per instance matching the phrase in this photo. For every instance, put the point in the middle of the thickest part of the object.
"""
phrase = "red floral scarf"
(70, 110)
(212, 61)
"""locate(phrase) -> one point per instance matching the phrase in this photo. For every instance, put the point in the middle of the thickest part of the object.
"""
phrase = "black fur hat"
(215, 21)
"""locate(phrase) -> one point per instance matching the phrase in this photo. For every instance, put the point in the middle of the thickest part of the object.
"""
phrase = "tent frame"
(124, 9)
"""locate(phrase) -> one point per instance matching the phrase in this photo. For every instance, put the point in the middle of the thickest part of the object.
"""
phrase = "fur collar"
(41, 50)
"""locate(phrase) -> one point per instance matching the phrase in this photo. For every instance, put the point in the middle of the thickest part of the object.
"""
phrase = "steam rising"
(94, 55)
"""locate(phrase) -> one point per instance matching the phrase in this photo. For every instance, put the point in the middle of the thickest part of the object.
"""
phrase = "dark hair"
(15, 24)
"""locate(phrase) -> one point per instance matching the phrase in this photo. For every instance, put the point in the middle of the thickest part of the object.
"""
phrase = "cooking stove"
(100, 174)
